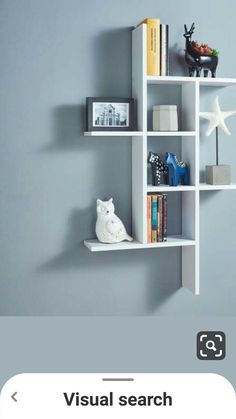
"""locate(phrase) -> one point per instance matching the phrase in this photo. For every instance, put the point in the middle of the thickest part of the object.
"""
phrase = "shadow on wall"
(158, 289)
(111, 48)
(177, 61)
(75, 256)
(68, 129)
(68, 123)
(111, 62)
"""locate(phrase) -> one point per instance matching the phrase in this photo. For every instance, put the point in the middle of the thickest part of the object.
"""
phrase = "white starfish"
(216, 118)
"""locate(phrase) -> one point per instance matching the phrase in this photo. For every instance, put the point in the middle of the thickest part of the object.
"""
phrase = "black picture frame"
(129, 124)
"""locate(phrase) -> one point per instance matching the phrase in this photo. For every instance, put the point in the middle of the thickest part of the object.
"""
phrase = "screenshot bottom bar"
(112, 395)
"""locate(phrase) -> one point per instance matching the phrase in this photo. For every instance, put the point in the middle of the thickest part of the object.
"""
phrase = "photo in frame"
(111, 114)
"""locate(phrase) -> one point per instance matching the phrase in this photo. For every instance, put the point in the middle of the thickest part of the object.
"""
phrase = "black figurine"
(199, 57)
(158, 168)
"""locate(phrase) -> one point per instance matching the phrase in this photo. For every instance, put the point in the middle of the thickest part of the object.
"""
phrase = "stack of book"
(157, 47)
(156, 218)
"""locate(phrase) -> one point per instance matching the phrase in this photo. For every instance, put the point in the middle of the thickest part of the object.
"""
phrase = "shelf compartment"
(171, 133)
(178, 94)
(172, 241)
(167, 188)
(113, 133)
(206, 187)
(183, 148)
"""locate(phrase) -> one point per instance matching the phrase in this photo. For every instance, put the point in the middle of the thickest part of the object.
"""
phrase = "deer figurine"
(199, 57)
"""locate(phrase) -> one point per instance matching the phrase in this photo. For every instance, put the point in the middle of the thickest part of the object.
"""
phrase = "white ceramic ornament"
(109, 228)
(216, 118)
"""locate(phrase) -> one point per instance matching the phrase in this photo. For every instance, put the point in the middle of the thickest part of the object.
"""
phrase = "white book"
(164, 41)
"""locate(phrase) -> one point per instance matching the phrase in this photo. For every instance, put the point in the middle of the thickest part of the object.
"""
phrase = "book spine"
(153, 47)
(149, 218)
(167, 51)
(164, 217)
(154, 218)
(164, 46)
(160, 218)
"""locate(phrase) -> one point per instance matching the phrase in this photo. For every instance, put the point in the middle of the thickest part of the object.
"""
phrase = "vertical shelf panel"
(188, 148)
(139, 188)
(189, 109)
(190, 270)
(139, 70)
(139, 144)
(190, 201)
(189, 106)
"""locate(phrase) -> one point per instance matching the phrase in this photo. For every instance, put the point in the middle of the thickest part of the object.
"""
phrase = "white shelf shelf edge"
(203, 81)
(139, 133)
(206, 187)
(172, 241)
(171, 133)
(113, 133)
(169, 80)
(167, 188)
(218, 81)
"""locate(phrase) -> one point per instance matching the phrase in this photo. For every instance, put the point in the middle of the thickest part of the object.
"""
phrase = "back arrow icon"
(13, 396)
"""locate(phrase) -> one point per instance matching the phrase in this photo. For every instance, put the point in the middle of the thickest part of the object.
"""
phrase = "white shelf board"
(112, 133)
(203, 81)
(167, 188)
(139, 133)
(218, 81)
(171, 133)
(172, 241)
(206, 187)
(178, 80)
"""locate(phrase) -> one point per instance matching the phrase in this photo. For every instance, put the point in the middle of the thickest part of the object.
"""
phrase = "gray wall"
(53, 55)
(111, 344)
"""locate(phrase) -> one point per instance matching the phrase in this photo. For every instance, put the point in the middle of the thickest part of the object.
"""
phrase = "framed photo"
(111, 114)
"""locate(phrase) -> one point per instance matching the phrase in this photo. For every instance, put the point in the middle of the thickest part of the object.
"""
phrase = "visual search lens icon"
(210, 344)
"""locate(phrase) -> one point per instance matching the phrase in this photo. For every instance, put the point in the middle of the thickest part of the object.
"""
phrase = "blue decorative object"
(178, 171)
(158, 168)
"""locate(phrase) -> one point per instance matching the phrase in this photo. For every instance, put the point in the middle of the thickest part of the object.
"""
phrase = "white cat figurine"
(109, 228)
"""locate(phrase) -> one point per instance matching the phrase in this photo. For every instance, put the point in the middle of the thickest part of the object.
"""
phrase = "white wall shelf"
(139, 133)
(167, 188)
(171, 133)
(176, 80)
(206, 187)
(217, 82)
(112, 133)
(189, 240)
(172, 241)
(204, 81)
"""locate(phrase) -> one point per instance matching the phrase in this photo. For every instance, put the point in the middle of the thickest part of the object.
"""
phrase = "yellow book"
(153, 46)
